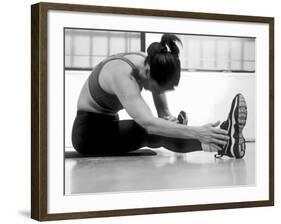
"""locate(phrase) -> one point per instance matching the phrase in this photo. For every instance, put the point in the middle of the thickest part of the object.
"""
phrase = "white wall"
(15, 112)
(206, 97)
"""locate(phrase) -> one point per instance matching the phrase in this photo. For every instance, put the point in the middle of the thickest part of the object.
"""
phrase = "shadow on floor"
(140, 152)
(25, 213)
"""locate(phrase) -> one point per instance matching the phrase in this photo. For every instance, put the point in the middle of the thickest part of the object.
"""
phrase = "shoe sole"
(237, 119)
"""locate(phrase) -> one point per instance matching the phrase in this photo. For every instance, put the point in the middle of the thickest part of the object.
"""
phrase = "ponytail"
(168, 43)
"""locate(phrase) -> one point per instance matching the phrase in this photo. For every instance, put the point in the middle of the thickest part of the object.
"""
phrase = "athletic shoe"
(182, 118)
(234, 124)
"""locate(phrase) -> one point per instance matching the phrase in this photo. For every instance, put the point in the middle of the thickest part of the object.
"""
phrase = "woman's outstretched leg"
(173, 144)
(132, 137)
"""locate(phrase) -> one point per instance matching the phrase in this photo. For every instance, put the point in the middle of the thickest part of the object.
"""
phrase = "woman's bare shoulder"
(142, 53)
(124, 75)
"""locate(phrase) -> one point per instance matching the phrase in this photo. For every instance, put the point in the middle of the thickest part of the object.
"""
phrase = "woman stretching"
(116, 83)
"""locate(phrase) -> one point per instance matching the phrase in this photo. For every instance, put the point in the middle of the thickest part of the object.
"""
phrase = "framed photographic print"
(140, 111)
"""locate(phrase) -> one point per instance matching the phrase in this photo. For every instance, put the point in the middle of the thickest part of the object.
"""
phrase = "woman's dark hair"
(163, 59)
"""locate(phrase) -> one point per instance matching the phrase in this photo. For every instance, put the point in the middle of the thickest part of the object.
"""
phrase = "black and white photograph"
(148, 111)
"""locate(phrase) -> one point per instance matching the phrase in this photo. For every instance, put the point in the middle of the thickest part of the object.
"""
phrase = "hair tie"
(168, 48)
(165, 48)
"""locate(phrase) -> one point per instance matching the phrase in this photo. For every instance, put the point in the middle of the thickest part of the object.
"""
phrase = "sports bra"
(104, 99)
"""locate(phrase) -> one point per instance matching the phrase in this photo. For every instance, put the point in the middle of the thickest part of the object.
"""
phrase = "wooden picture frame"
(39, 109)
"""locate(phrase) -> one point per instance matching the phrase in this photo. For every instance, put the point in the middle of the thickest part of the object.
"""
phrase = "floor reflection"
(166, 170)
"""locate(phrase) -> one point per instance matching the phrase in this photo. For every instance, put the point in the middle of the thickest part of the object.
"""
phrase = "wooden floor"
(166, 170)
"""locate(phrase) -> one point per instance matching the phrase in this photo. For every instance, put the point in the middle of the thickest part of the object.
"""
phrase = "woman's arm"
(127, 91)
(161, 105)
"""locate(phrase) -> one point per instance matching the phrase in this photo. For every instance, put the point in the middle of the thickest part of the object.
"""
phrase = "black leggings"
(94, 133)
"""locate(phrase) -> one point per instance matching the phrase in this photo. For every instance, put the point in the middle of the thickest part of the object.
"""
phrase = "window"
(216, 53)
(84, 49)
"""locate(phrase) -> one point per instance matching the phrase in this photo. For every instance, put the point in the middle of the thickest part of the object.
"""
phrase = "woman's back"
(97, 94)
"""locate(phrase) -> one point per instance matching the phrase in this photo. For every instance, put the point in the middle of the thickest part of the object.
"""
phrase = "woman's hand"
(170, 118)
(210, 134)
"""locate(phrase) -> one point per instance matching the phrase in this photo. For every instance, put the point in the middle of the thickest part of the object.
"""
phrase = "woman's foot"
(234, 124)
(182, 118)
